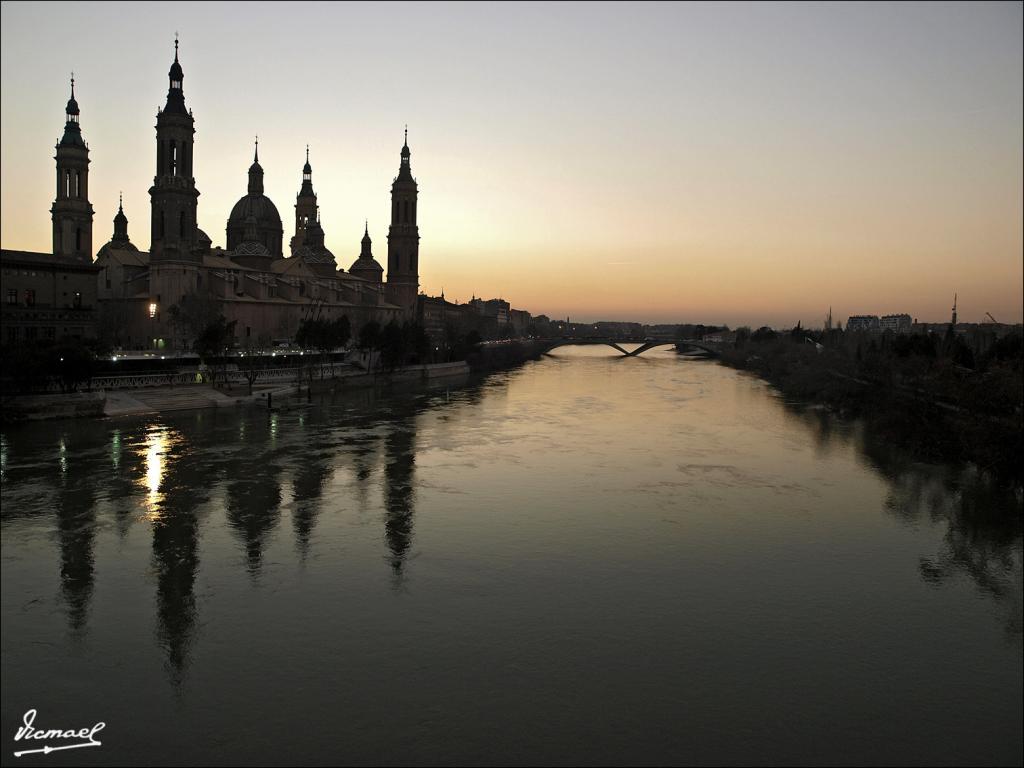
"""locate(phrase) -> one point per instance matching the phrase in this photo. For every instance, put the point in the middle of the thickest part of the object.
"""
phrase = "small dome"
(313, 255)
(176, 72)
(368, 269)
(72, 108)
(307, 168)
(116, 245)
(202, 238)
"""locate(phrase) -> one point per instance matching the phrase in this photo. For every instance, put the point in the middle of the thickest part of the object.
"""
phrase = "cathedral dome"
(266, 219)
(260, 207)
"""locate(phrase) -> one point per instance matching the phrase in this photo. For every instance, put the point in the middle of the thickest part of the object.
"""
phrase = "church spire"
(256, 172)
(120, 222)
(404, 168)
(72, 129)
(307, 177)
(175, 76)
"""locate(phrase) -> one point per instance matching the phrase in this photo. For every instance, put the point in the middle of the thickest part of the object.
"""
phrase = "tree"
(324, 336)
(253, 363)
(392, 346)
(73, 362)
(211, 344)
(112, 320)
(369, 340)
(194, 314)
(416, 342)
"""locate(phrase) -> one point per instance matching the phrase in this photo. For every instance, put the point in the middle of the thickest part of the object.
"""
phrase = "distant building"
(496, 309)
(520, 320)
(439, 318)
(895, 323)
(862, 323)
(720, 336)
(619, 330)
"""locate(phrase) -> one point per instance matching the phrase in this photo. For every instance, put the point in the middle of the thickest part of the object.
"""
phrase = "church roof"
(35, 258)
(291, 265)
(218, 260)
(250, 248)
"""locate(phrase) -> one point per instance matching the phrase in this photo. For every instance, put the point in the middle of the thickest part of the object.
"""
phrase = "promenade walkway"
(137, 402)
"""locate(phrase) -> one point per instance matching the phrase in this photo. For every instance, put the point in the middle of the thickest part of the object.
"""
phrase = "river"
(589, 559)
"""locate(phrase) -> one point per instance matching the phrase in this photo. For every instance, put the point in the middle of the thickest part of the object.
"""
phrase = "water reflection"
(254, 492)
(159, 442)
(399, 491)
(984, 521)
(76, 533)
(370, 479)
(311, 475)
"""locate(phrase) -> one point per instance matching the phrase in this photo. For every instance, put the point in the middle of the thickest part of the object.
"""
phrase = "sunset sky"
(733, 163)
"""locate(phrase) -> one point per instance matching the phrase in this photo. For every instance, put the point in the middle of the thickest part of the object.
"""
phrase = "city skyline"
(639, 203)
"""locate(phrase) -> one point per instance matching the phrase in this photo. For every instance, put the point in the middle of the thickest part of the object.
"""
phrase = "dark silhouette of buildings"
(251, 280)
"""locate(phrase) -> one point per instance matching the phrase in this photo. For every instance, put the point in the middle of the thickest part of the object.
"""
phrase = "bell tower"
(305, 205)
(173, 196)
(404, 238)
(71, 210)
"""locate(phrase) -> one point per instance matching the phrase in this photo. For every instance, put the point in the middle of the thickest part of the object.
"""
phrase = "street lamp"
(152, 321)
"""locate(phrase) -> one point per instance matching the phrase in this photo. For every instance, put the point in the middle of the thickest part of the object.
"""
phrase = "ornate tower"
(71, 211)
(174, 196)
(120, 224)
(366, 266)
(305, 205)
(403, 238)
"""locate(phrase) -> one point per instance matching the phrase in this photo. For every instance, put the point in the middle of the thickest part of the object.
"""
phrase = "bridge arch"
(645, 345)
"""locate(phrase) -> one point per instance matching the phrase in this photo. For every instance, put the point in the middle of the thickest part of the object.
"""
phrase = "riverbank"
(498, 356)
(153, 400)
(943, 414)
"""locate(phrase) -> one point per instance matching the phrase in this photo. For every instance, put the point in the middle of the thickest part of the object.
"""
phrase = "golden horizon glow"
(741, 164)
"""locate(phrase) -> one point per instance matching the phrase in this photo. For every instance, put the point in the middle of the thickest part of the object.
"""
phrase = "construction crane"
(991, 318)
(954, 310)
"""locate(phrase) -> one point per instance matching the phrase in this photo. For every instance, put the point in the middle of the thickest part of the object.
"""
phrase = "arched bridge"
(645, 344)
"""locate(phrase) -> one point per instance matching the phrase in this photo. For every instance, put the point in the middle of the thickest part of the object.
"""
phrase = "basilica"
(251, 280)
